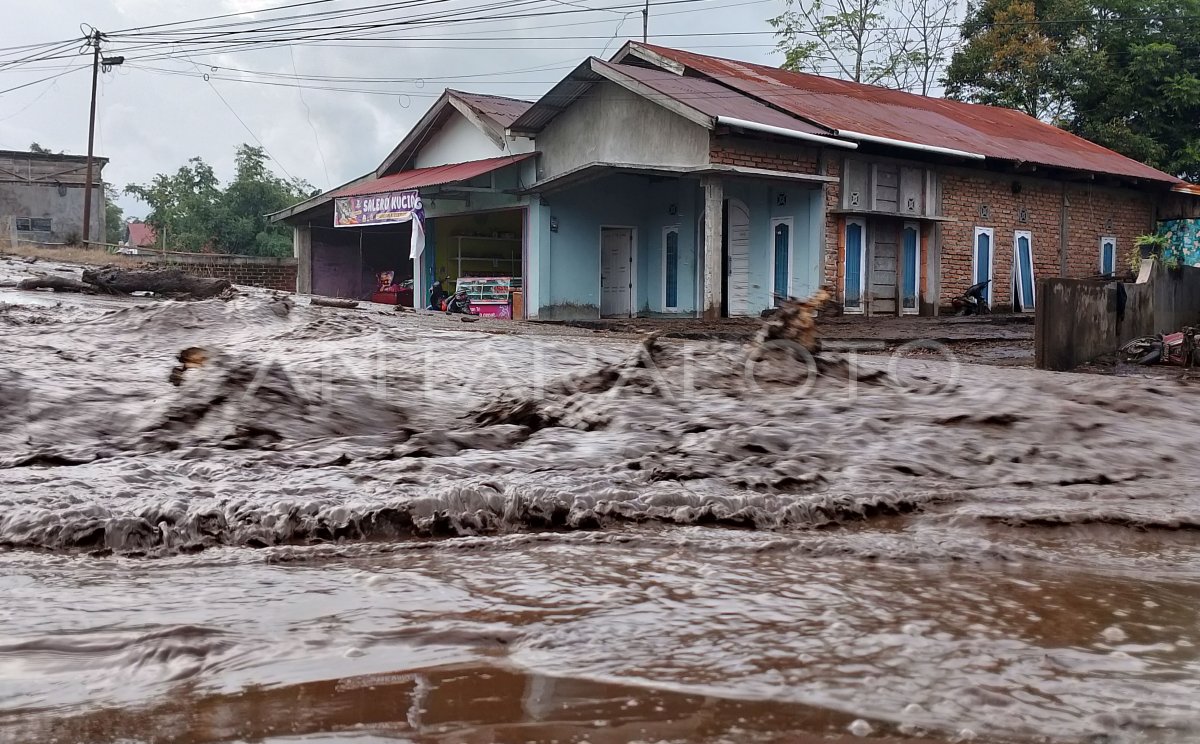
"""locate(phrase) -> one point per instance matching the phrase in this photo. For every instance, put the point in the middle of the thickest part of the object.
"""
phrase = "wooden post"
(714, 218)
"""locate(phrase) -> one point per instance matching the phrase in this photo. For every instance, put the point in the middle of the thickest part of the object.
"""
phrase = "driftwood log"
(331, 302)
(169, 282)
(57, 283)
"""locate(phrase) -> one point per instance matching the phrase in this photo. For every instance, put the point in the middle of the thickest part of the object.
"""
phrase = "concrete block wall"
(1079, 320)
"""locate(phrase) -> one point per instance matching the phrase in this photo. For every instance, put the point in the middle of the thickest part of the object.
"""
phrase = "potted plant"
(1150, 245)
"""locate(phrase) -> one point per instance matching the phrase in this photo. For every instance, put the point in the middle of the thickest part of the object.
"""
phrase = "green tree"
(194, 213)
(1019, 54)
(35, 147)
(114, 222)
(1138, 88)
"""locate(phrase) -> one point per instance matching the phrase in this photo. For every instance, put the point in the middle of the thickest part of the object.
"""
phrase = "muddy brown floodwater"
(366, 527)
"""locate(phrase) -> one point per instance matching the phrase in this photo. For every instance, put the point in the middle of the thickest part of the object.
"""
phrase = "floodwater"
(366, 527)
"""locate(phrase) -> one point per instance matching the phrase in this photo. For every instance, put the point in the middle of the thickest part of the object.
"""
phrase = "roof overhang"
(593, 171)
(419, 178)
(316, 201)
(438, 175)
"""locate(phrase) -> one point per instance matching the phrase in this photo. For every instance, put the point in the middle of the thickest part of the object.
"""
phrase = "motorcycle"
(972, 302)
(1177, 349)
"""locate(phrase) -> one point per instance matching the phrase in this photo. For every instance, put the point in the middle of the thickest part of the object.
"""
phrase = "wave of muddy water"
(356, 526)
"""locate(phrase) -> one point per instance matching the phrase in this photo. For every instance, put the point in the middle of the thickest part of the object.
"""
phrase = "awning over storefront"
(436, 176)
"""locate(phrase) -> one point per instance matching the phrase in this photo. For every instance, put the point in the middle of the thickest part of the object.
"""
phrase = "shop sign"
(384, 209)
(377, 209)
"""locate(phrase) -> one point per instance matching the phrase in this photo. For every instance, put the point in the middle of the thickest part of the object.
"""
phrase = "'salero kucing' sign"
(376, 209)
(383, 209)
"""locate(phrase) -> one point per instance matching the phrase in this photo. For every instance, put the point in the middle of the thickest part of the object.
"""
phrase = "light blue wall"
(569, 259)
(803, 206)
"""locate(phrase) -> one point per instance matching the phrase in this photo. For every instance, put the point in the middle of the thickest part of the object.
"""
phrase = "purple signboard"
(377, 209)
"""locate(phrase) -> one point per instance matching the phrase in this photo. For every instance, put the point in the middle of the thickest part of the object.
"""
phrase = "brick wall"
(271, 273)
(770, 155)
(834, 227)
(1092, 212)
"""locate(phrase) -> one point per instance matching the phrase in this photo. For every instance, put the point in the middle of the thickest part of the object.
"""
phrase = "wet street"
(351, 525)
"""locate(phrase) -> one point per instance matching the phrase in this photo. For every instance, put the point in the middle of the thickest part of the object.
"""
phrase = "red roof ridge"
(469, 94)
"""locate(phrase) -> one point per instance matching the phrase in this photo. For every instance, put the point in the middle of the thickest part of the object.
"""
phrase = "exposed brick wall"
(833, 227)
(770, 155)
(271, 273)
(1092, 212)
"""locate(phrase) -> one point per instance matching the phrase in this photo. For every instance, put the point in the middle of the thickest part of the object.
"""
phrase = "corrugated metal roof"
(709, 98)
(141, 234)
(991, 131)
(435, 176)
(503, 111)
(562, 95)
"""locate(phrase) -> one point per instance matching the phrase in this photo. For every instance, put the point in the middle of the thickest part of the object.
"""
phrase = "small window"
(781, 265)
(982, 265)
(23, 224)
(671, 268)
(40, 224)
(1023, 280)
(856, 266)
(1108, 255)
(910, 269)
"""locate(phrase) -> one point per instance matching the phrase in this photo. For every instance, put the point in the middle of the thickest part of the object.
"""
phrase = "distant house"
(140, 235)
(42, 194)
(667, 183)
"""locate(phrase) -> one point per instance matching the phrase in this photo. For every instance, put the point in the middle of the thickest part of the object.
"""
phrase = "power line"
(245, 125)
(42, 80)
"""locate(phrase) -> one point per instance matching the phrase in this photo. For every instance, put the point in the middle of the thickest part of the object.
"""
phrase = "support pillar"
(714, 225)
(302, 250)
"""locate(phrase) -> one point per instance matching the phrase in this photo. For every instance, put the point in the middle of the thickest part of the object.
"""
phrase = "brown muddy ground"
(364, 526)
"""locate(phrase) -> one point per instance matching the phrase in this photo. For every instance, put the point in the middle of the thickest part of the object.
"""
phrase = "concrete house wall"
(50, 187)
(612, 125)
(457, 141)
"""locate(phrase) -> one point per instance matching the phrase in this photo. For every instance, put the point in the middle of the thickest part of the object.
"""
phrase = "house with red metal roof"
(667, 183)
(462, 176)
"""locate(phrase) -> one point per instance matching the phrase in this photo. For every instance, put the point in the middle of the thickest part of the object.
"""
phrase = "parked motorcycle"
(972, 302)
(1177, 348)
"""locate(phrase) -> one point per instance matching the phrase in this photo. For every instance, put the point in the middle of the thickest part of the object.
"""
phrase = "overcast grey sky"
(151, 121)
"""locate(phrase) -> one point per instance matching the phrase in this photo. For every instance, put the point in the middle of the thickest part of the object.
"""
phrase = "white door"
(616, 272)
(737, 282)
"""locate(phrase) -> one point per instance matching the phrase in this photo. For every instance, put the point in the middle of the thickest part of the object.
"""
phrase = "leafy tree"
(194, 213)
(114, 223)
(1019, 54)
(1124, 73)
(35, 147)
(1138, 90)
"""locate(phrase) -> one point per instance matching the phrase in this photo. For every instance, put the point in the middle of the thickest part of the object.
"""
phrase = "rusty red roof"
(435, 176)
(504, 111)
(991, 131)
(141, 234)
(709, 98)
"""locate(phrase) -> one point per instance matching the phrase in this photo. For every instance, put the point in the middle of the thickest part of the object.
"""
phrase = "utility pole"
(108, 63)
(646, 22)
(87, 187)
